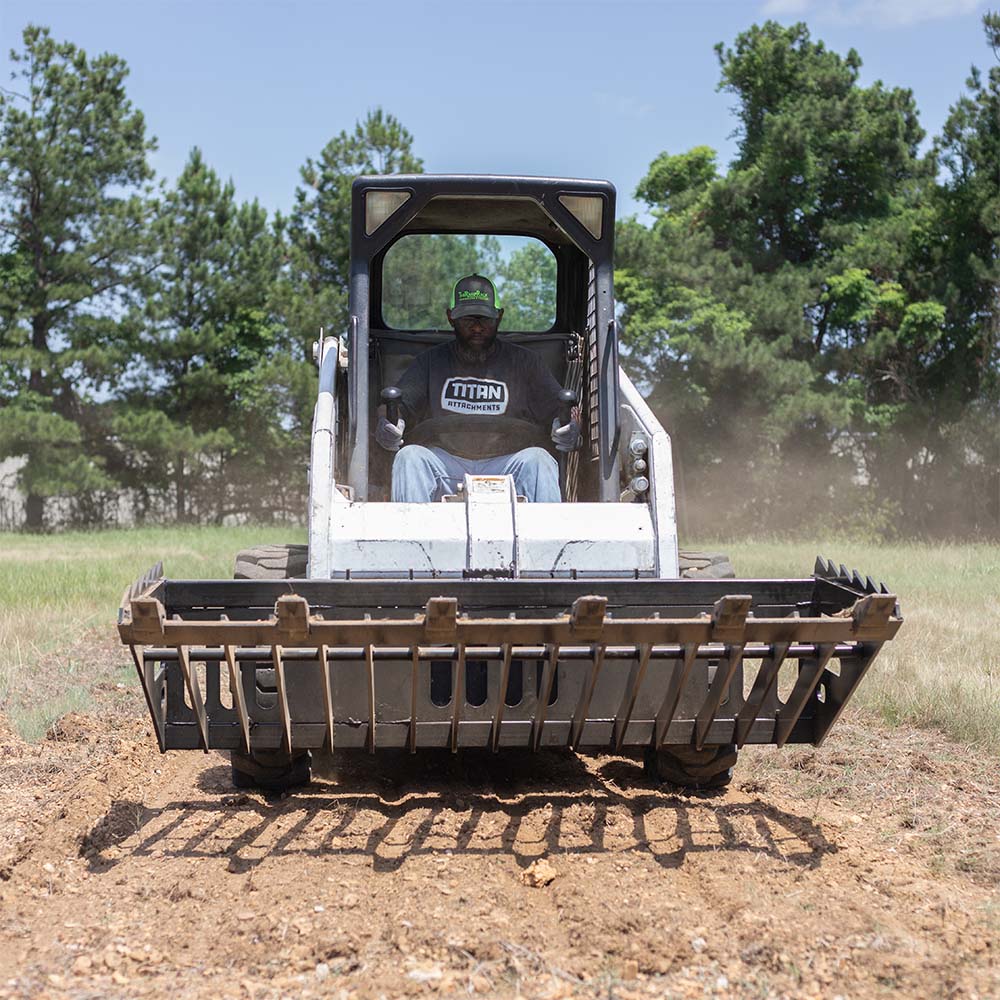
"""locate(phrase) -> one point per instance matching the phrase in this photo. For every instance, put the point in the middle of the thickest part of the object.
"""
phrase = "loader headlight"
(379, 205)
(588, 210)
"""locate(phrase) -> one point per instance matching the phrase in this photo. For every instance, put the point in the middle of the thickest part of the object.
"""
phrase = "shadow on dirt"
(392, 808)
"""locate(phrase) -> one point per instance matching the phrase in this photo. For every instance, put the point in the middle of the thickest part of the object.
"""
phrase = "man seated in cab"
(466, 386)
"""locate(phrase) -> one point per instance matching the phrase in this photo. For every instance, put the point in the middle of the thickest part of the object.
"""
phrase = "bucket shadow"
(394, 809)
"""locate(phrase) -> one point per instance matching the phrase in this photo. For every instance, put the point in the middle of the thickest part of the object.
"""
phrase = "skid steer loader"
(482, 621)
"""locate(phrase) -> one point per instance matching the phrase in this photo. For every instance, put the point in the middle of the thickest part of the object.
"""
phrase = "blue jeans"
(420, 475)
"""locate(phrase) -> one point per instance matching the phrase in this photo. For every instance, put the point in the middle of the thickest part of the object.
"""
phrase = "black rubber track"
(710, 767)
(272, 562)
(270, 770)
(706, 565)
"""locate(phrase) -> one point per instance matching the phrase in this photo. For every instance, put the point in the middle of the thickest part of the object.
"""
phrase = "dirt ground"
(867, 868)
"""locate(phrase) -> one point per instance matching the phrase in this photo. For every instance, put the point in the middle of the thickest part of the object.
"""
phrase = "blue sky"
(582, 88)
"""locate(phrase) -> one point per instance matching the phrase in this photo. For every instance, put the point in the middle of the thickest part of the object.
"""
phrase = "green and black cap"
(474, 295)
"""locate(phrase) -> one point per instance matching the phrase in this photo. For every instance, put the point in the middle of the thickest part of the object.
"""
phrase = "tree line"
(817, 324)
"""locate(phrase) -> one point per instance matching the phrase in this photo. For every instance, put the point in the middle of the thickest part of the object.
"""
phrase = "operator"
(471, 381)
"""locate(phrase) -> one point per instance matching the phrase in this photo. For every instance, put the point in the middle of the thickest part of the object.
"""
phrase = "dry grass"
(943, 670)
(59, 595)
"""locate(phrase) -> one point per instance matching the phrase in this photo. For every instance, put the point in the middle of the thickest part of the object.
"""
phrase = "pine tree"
(73, 215)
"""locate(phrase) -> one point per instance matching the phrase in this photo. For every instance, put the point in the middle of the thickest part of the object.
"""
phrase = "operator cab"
(548, 244)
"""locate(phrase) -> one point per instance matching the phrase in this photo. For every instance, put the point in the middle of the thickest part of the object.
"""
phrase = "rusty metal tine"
(370, 672)
(635, 679)
(194, 690)
(323, 655)
(673, 696)
(501, 699)
(415, 674)
(764, 683)
(841, 688)
(148, 695)
(548, 677)
(458, 696)
(720, 686)
(239, 698)
(579, 719)
(810, 672)
(279, 683)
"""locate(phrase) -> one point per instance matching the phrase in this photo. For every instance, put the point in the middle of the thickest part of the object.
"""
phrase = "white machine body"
(486, 530)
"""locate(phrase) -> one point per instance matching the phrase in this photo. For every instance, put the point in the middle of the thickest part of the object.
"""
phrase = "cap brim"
(474, 309)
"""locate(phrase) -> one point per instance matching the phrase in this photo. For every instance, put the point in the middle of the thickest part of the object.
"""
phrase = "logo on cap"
(474, 295)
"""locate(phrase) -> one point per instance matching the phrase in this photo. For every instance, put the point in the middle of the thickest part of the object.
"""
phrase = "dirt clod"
(539, 873)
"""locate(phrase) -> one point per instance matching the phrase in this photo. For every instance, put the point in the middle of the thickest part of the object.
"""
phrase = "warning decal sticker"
(474, 395)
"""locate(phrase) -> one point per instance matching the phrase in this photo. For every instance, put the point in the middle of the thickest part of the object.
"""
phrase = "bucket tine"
(635, 678)
(279, 683)
(840, 690)
(414, 676)
(194, 690)
(502, 697)
(323, 655)
(810, 672)
(720, 685)
(548, 677)
(146, 682)
(239, 698)
(458, 696)
(579, 719)
(673, 696)
(370, 676)
(763, 685)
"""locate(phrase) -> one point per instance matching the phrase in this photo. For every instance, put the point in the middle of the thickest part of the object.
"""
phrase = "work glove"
(567, 437)
(390, 436)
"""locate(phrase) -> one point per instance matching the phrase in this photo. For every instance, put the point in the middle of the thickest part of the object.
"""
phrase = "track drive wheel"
(272, 562)
(710, 767)
(270, 770)
(706, 565)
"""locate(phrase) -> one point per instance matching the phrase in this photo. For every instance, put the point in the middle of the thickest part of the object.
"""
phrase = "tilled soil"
(869, 867)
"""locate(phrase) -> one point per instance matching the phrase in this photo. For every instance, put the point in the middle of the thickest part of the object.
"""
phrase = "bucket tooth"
(764, 684)
(457, 696)
(370, 680)
(414, 680)
(548, 677)
(635, 679)
(323, 659)
(673, 694)
(239, 696)
(720, 685)
(279, 682)
(579, 719)
(146, 680)
(810, 671)
(507, 653)
(194, 690)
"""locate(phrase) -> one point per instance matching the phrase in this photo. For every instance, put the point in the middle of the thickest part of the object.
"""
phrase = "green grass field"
(55, 589)
(942, 672)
